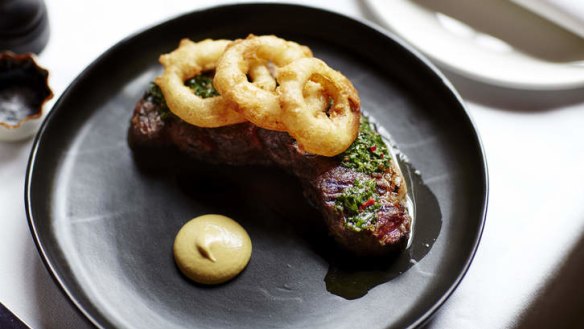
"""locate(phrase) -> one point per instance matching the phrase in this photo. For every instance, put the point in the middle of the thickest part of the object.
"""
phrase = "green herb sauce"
(154, 95)
(202, 86)
(359, 203)
(368, 153)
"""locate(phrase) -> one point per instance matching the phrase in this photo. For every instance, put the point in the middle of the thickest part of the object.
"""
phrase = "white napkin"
(567, 13)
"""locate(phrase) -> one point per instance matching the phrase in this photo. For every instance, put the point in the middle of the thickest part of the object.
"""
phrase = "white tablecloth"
(529, 267)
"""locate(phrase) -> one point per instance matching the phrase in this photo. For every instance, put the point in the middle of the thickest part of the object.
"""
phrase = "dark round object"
(104, 224)
(24, 26)
(24, 89)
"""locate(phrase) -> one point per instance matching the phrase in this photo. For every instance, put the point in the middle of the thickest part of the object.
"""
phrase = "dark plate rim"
(371, 26)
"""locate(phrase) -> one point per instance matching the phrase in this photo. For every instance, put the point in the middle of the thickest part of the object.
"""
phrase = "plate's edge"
(28, 209)
(376, 28)
(39, 245)
(374, 8)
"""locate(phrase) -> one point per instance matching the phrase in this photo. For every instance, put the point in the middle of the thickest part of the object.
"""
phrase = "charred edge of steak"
(324, 179)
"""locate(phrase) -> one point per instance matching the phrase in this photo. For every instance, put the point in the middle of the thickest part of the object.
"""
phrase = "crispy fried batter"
(260, 106)
(325, 130)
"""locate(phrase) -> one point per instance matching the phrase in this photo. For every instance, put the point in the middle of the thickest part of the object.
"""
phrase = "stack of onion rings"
(274, 83)
(259, 106)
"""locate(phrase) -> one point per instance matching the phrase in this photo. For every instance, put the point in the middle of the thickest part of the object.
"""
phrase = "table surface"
(528, 269)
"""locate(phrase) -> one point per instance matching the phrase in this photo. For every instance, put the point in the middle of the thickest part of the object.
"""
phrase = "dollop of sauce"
(212, 249)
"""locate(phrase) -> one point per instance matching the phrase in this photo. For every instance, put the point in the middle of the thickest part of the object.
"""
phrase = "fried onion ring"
(188, 60)
(259, 105)
(261, 76)
(325, 130)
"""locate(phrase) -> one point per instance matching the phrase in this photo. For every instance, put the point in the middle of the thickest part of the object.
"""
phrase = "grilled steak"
(364, 209)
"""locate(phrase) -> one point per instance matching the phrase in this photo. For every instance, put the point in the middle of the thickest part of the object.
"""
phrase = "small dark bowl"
(24, 90)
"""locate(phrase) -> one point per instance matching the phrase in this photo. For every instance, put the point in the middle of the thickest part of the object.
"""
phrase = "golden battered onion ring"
(261, 76)
(258, 105)
(315, 130)
(315, 96)
(188, 60)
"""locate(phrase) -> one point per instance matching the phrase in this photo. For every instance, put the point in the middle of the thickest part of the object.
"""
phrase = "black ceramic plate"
(105, 226)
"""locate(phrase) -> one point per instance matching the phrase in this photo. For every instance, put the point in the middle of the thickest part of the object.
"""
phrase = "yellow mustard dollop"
(212, 249)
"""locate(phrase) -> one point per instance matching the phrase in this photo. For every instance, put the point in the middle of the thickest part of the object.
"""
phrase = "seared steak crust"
(324, 179)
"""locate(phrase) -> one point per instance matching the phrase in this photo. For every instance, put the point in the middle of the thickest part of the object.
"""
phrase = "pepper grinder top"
(24, 26)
